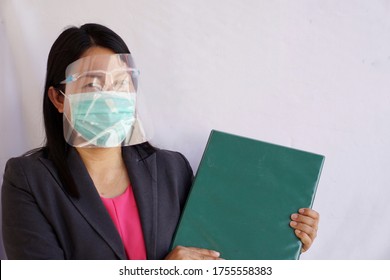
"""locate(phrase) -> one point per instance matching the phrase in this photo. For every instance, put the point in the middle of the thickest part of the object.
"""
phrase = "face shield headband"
(101, 105)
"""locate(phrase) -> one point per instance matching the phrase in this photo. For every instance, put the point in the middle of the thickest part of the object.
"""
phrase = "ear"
(56, 98)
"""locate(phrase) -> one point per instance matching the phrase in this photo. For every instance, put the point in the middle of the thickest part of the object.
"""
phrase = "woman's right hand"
(192, 253)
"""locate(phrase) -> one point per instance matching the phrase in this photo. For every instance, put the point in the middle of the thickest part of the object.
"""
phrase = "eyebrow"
(93, 75)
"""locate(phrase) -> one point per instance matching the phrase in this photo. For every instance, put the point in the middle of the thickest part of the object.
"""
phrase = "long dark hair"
(68, 47)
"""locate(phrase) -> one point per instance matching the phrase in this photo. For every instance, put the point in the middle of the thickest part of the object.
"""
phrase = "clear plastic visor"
(115, 72)
(102, 106)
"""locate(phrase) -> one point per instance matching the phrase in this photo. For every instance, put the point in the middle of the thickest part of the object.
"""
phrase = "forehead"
(107, 63)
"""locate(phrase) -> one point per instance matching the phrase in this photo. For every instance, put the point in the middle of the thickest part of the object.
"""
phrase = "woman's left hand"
(305, 225)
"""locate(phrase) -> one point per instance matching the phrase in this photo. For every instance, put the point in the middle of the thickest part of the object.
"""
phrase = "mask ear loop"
(56, 99)
(65, 115)
(65, 96)
(60, 91)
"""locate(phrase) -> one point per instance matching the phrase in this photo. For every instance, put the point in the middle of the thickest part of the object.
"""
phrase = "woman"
(97, 189)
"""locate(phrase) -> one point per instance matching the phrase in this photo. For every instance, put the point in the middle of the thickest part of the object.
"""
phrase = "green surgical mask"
(103, 119)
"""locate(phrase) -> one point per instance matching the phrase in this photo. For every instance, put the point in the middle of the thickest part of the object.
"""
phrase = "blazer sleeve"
(27, 234)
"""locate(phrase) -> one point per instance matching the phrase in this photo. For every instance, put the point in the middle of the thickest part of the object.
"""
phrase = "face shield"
(102, 105)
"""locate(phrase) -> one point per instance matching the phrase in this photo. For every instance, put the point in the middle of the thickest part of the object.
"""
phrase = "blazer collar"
(90, 205)
(142, 170)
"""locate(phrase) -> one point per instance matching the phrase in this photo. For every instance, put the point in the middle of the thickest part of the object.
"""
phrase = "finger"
(310, 212)
(206, 257)
(191, 253)
(305, 220)
(203, 251)
(305, 239)
(194, 255)
(312, 232)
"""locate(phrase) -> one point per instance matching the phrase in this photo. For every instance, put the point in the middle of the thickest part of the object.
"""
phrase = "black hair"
(69, 46)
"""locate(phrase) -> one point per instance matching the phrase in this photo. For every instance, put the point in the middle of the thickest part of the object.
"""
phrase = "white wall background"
(308, 74)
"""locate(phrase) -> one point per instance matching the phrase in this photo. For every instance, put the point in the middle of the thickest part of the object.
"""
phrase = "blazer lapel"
(91, 207)
(142, 169)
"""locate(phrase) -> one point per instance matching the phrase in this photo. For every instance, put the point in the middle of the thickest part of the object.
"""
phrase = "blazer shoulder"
(19, 170)
(28, 160)
(165, 159)
(173, 159)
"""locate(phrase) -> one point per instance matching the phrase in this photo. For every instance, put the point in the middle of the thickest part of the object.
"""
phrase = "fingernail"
(294, 216)
(302, 210)
(297, 231)
(293, 224)
(216, 254)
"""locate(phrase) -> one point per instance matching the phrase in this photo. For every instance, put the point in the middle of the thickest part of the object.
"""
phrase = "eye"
(92, 84)
(93, 87)
(123, 85)
(121, 82)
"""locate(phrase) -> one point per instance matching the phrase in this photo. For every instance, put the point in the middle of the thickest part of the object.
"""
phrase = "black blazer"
(41, 221)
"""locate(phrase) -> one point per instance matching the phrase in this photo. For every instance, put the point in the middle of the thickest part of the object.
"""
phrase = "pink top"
(124, 213)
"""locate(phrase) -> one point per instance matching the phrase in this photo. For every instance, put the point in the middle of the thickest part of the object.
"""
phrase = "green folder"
(243, 195)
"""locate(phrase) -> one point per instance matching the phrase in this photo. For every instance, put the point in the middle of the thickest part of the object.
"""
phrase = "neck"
(96, 159)
(107, 169)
